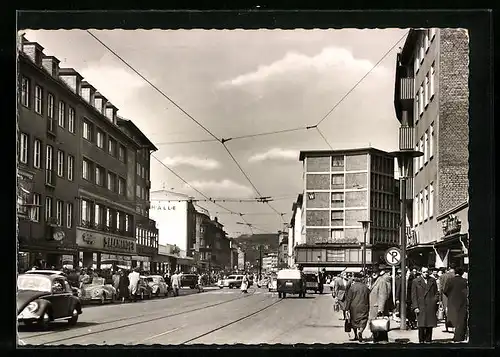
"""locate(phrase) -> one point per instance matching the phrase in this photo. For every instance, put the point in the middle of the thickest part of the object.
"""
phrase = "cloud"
(109, 79)
(328, 59)
(205, 164)
(224, 188)
(275, 154)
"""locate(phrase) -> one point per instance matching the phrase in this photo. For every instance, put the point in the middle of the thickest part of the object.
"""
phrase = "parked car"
(97, 291)
(291, 281)
(189, 280)
(157, 284)
(232, 281)
(43, 298)
(312, 282)
(143, 289)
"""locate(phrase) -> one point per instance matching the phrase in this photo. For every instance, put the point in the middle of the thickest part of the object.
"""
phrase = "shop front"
(453, 248)
(329, 255)
(144, 259)
(96, 248)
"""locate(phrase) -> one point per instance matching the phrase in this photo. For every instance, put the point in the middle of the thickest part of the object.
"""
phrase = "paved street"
(213, 317)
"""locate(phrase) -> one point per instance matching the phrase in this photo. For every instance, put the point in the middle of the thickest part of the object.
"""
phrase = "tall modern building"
(431, 103)
(297, 232)
(76, 167)
(341, 188)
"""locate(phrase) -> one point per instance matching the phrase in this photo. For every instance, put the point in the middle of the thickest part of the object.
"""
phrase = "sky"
(237, 83)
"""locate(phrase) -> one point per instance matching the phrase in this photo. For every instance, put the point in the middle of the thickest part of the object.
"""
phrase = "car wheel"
(44, 320)
(74, 317)
(103, 299)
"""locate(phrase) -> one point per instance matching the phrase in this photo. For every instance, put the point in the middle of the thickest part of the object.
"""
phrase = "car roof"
(46, 272)
(48, 276)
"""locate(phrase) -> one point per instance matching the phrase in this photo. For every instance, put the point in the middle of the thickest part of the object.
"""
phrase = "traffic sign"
(393, 256)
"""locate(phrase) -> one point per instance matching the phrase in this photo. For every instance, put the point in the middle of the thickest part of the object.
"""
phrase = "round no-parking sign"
(393, 256)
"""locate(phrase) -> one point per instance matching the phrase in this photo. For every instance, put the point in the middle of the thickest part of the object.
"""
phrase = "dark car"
(312, 282)
(290, 281)
(43, 298)
(189, 280)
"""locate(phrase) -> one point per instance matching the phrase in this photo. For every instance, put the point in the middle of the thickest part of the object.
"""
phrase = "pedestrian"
(340, 287)
(443, 280)
(456, 291)
(123, 285)
(425, 298)
(358, 306)
(134, 278)
(116, 281)
(175, 279)
(397, 294)
(411, 317)
(380, 301)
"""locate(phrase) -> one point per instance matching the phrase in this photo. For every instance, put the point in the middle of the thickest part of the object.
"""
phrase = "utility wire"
(324, 138)
(178, 107)
(362, 78)
(186, 142)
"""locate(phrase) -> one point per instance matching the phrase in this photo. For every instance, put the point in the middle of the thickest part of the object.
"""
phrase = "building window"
(86, 211)
(138, 169)
(37, 152)
(109, 218)
(421, 145)
(431, 199)
(86, 169)
(337, 234)
(432, 33)
(48, 158)
(69, 215)
(337, 218)
(417, 106)
(111, 182)
(415, 210)
(99, 175)
(25, 91)
(416, 64)
(127, 223)
(426, 40)
(37, 199)
(71, 167)
(38, 99)
(121, 186)
(71, 120)
(112, 147)
(98, 215)
(426, 203)
(426, 146)
(432, 81)
(431, 140)
(60, 163)
(62, 114)
(23, 148)
(138, 191)
(337, 161)
(50, 105)
(100, 139)
(121, 153)
(416, 162)
(48, 208)
(117, 220)
(421, 51)
(426, 90)
(337, 181)
(87, 130)
(421, 207)
(421, 100)
(59, 212)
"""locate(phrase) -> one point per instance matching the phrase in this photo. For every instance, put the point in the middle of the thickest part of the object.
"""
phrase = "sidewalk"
(411, 336)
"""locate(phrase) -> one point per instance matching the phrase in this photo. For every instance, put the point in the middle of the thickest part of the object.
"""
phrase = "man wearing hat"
(380, 296)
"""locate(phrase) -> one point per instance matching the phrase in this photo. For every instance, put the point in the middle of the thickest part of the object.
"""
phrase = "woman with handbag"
(357, 307)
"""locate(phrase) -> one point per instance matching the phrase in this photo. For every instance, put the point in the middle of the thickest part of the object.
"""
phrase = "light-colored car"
(232, 281)
(273, 284)
(97, 290)
(157, 284)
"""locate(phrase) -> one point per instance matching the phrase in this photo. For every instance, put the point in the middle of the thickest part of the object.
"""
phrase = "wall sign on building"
(106, 242)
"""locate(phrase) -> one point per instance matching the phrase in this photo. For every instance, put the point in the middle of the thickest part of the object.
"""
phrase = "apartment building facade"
(341, 188)
(83, 206)
(296, 233)
(431, 103)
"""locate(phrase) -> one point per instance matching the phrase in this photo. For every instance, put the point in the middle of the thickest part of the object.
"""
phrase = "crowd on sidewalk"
(431, 297)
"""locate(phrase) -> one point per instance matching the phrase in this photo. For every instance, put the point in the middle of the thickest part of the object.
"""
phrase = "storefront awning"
(420, 247)
(452, 241)
(352, 270)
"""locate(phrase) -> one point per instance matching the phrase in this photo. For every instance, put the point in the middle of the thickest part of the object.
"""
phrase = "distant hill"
(250, 245)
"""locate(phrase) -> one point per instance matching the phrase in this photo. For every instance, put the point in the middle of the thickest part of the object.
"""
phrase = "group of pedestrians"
(126, 284)
(363, 301)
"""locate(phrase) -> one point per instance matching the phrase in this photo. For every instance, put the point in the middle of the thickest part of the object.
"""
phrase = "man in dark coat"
(380, 301)
(456, 291)
(443, 280)
(357, 306)
(425, 298)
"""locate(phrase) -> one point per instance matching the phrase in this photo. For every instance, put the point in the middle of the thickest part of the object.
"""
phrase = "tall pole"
(403, 254)
(364, 253)
(260, 262)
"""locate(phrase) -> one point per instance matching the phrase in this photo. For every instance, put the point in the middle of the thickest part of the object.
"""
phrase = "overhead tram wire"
(178, 107)
(199, 192)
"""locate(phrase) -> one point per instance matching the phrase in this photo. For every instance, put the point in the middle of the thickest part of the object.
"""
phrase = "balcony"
(406, 138)
(50, 178)
(51, 127)
(406, 89)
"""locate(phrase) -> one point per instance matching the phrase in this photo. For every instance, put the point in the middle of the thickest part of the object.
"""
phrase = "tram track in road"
(219, 328)
(127, 318)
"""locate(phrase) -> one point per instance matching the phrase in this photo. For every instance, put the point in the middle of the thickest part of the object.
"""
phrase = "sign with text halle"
(104, 242)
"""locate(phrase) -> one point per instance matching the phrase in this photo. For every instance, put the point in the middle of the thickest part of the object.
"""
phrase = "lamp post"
(404, 158)
(366, 226)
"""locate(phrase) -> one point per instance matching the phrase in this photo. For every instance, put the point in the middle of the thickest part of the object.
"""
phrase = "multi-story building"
(233, 247)
(431, 103)
(202, 245)
(297, 231)
(283, 247)
(146, 232)
(270, 262)
(82, 167)
(341, 188)
(241, 259)
(219, 248)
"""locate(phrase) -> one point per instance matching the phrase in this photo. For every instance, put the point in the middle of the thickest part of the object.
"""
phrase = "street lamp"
(404, 158)
(366, 226)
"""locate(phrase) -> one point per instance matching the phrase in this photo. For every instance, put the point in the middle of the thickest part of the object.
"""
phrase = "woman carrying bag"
(244, 285)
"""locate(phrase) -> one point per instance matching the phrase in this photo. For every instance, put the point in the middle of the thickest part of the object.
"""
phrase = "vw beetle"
(43, 298)
(98, 291)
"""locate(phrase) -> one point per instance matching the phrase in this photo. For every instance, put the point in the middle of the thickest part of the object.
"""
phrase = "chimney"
(100, 102)
(34, 51)
(51, 65)
(72, 78)
(88, 93)
(111, 112)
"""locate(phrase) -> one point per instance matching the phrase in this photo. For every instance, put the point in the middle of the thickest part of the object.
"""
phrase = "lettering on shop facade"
(118, 244)
(162, 207)
(104, 242)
